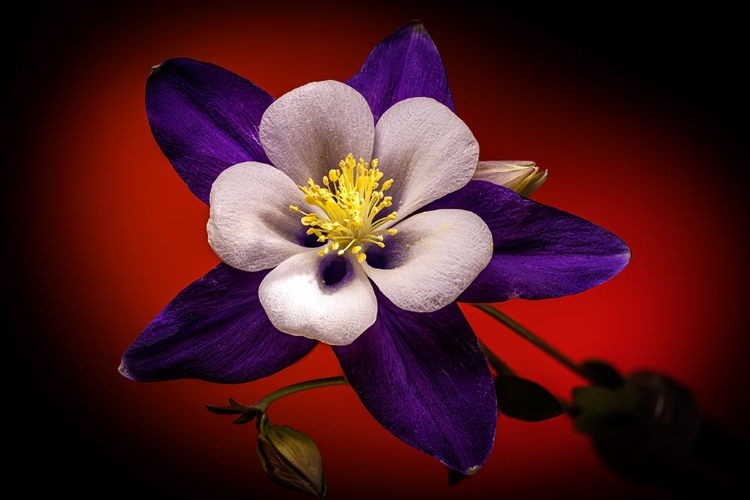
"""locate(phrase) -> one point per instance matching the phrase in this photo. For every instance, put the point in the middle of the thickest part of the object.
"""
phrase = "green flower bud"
(523, 177)
(290, 458)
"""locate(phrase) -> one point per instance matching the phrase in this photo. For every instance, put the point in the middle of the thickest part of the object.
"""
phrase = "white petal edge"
(309, 130)
(439, 254)
(298, 303)
(250, 226)
(427, 150)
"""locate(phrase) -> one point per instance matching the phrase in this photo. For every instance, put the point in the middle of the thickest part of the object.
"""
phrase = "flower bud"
(290, 458)
(523, 177)
(644, 428)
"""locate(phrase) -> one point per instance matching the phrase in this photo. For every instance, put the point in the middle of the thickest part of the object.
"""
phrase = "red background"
(634, 115)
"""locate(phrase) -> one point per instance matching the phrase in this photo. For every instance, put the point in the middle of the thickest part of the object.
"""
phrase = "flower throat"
(350, 200)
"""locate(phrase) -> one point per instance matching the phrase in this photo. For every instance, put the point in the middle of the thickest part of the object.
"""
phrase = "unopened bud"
(290, 458)
(523, 177)
(647, 426)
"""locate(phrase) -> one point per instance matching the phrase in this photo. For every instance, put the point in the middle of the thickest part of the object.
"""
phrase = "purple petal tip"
(124, 371)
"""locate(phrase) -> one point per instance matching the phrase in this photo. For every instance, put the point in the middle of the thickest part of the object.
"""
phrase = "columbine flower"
(345, 213)
(266, 217)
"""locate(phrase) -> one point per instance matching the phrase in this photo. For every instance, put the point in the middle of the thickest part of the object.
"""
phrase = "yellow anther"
(350, 201)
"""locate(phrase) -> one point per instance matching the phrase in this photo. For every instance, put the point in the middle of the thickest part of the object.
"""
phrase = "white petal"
(309, 130)
(427, 150)
(299, 302)
(523, 177)
(432, 259)
(250, 226)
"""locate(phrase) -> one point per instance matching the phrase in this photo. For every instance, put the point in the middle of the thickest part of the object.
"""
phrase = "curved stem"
(302, 386)
(541, 344)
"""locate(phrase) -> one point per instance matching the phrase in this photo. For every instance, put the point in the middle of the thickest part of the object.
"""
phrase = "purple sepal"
(424, 378)
(405, 64)
(204, 118)
(540, 252)
(213, 330)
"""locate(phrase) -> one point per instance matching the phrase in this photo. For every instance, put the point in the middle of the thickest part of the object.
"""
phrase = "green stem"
(538, 342)
(498, 364)
(302, 386)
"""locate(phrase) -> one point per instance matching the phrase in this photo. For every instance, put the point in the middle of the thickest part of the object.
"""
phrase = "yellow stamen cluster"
(350, 200)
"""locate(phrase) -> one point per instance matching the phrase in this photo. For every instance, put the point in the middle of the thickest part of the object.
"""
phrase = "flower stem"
(302, 386)
(498, 364)
(538, 342)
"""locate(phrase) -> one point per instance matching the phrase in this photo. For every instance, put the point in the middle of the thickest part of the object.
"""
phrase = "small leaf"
(223, 410)
(246, 413)
(604, 373)
(523, 399)
(246, 417)
(235, 404)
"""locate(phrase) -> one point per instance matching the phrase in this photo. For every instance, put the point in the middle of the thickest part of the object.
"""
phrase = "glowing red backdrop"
(107, 234)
